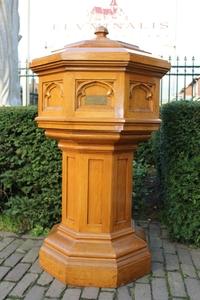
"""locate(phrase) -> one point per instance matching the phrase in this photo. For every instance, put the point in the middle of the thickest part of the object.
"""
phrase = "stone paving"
(175, 272)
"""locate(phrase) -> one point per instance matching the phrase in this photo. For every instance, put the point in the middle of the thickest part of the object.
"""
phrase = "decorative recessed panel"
(95, 191)
(53, 95)
(93, 94)
(141, 96)
(70, 189)
(121, 188)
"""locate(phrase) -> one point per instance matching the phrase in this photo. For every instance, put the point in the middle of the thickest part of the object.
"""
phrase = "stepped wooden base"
(101, 260)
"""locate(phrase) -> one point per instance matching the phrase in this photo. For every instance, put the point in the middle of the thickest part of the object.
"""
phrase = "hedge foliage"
(30, 170)
(146, 188)
(180, 169)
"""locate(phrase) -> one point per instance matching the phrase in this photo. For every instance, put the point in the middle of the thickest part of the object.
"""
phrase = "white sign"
(158, 26)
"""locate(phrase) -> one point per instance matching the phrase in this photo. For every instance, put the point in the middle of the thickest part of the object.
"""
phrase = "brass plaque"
(96, 100)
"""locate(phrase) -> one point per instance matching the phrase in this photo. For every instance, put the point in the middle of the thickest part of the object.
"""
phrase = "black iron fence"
(182, 82)
(28, 86)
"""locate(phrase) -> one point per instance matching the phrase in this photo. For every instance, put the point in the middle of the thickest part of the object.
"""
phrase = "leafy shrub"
(180, 169)
(30, 170)
(140, 191)
(146, 151)
(146, 187)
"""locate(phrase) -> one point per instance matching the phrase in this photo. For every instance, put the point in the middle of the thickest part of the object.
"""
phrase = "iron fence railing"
(181, 82)
(28, 86)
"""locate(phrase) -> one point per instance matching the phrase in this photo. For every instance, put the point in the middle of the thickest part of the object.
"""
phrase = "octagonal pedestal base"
(101, 260)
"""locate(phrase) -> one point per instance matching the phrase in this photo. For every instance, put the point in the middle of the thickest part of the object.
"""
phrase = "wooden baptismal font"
(98, 98)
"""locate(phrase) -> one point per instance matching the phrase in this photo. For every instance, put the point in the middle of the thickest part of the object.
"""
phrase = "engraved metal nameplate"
(96, 100)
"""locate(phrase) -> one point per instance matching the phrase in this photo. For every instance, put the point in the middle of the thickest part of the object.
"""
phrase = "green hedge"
(30, 170)
(180, 169)
(146, 187)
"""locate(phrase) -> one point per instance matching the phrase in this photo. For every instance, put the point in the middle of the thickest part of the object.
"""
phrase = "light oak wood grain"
(99, 99)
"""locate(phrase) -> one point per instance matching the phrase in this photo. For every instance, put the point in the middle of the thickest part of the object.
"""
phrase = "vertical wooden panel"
(95, 189)
(71, 199)
(121, 188)
(64, 186)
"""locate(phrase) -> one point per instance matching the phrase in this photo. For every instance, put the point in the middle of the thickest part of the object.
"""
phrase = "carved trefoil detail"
(94, 94)
(141, 96)
(53, 95)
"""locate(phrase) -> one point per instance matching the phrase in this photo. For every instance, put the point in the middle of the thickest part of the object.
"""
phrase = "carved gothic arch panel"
(94, 93)
(53, 95)
(141, 96)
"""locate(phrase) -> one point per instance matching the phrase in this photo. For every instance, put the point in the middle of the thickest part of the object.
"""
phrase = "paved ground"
(175, 272)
